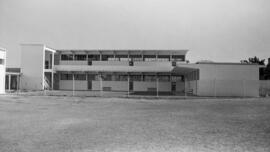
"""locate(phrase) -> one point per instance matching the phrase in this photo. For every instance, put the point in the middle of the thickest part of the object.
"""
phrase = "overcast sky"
(218, 30)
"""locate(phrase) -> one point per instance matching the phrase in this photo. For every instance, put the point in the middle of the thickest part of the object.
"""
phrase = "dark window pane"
(80, 57)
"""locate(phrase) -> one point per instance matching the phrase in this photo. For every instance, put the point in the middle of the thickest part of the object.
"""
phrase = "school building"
(132, 71)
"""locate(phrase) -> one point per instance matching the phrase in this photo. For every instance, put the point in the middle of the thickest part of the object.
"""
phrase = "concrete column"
(244, 88)
(9, 82)
(215, 88)
(73, 85)
(53, 60)
(52, 79)
(100, 56)
(157, 85)
(128, 84)
(101, 85)
(185, 91)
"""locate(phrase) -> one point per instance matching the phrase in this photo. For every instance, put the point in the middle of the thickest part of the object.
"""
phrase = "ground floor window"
(149, 78)
(177, 78)
(106, 77)
(80, 77)
(66, 77)
(164, 78)
(135, 77)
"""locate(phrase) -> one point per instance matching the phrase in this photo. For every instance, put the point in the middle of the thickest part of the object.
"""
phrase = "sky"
(216, 30)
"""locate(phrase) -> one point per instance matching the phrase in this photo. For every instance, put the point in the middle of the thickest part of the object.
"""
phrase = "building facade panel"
(2, 70)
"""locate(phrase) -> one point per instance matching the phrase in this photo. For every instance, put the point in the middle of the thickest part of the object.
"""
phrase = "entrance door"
(13, 85)
(130, 86)
(173, 86)
(90, 78)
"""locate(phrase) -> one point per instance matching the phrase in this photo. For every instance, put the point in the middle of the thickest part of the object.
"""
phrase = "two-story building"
(133, 71)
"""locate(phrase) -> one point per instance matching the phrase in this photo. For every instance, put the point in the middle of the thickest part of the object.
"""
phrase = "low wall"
(68, 85)
(144, 86)
(114, 85)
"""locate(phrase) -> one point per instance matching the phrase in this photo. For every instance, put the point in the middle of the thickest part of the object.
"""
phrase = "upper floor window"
(106, 57)
(66, 57)
(94, 57)
(163, 58)
(79, 57)
(136, 57)
(178, 57)
(149, 58)
(121, 57)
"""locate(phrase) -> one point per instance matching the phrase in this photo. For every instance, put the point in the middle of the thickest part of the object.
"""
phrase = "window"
(66, 76)
(177, 78)
(106, 57)
(149, 78)
(94, 57)
(136, 57)
(164, 78)
(164, 58)
(123, 77)
(121, 57)
(135, 78)
(178, 58)
(149, 58)
(80, 57)
(107, 77)
(2, 61)
(80, 77)
(66, 57)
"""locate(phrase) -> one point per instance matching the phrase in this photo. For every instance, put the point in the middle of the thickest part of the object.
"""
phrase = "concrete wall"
(115, 85)
(237, 88)
(227, 79)
(143, 86)
(68, 85)
(2, 71)
(32, 66)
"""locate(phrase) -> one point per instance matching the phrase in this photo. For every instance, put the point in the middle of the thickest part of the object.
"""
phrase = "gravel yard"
(73, 124)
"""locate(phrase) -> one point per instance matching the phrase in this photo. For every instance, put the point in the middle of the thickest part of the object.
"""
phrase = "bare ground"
(67, 124)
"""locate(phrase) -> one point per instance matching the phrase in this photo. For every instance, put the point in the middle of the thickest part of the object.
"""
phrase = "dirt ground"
(73, 124)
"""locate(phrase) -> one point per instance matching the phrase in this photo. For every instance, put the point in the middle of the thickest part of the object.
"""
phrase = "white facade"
(33, 69)
(2, 70)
